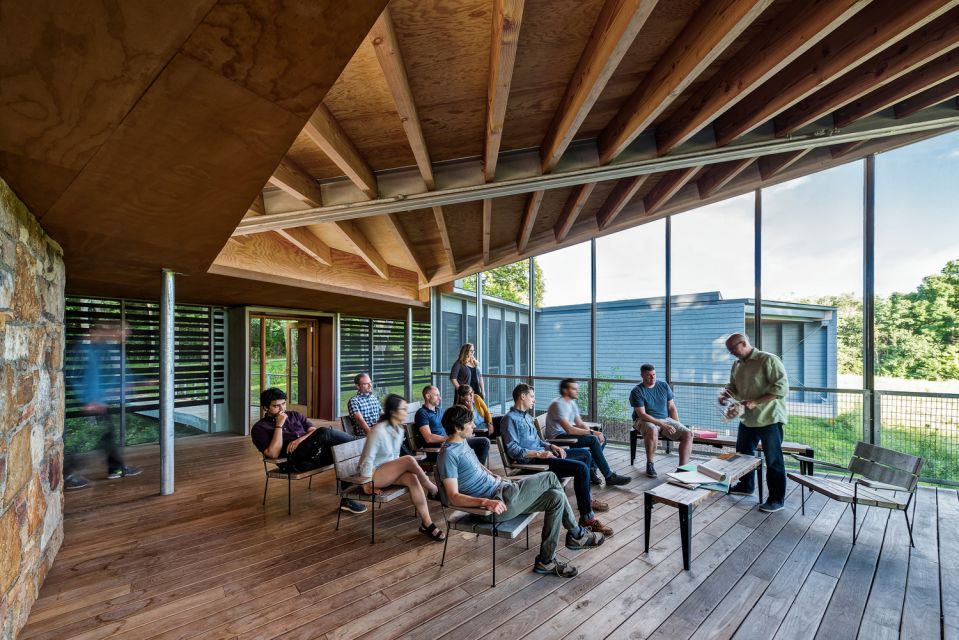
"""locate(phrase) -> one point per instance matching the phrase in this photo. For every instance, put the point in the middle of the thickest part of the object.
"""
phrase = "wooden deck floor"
(211, 562)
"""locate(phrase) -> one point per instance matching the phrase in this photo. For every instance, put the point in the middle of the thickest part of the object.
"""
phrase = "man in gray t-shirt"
(464, 482)
(563, 421)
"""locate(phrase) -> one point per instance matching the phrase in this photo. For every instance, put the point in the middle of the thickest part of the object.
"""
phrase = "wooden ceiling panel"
(316, 163)
(465, 224)
(381, 236)
(555, 31)
(450, 88)
(424, 236)
(549, 211)
(507, 215)
(363, 105)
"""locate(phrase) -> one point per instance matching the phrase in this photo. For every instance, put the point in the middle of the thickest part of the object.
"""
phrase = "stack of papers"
(695, 476)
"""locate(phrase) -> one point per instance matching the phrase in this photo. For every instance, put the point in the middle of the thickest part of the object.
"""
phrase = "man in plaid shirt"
(364, 407)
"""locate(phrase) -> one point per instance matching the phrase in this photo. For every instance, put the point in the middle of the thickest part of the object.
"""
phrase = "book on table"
(702, 476)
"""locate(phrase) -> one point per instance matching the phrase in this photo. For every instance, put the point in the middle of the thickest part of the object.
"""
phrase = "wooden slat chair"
(279, 474)
(415, 442)
(348, 425)
(879, 470)
(346, 461)
(474, 520)
(540, 423)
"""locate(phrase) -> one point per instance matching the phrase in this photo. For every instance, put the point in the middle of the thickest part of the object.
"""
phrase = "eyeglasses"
(732, 348)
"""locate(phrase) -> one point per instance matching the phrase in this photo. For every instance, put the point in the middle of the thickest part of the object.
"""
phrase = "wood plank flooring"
(211, 562)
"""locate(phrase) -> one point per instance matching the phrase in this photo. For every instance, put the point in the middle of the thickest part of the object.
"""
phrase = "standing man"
(563, 419)
(429, 425)
(364, 407)
(758, 380)
(524, 445)
(655, 413)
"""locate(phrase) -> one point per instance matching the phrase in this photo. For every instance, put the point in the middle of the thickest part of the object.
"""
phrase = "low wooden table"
(686, 500)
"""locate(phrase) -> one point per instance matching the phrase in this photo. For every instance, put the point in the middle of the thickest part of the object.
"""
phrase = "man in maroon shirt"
(289, 434)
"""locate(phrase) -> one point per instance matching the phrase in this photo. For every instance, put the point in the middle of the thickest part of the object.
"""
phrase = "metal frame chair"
(278, 474)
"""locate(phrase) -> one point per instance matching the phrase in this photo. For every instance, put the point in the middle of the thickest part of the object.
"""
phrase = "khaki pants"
(675, 436)
(540, 492)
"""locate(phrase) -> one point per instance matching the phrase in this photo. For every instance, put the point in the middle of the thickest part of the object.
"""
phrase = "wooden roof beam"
(618, 198)
(529, 219)
(777, 45)
(616, 27)
(440, 218)
(668, 186)
(714, 27)
(257, 207)
(936, 72)
(841, 150)
(361, 246)
(933, 40)
(307, 242)
(773, 164)
(386, 46)
(507, 20)
(719, 175)
(881, 24)
(406, 245)
(487, 227)
(289, 177)
(326, 133)
(928, 98)
(570, 213)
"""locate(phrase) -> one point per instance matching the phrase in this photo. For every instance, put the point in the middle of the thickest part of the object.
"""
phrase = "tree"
(511, 282)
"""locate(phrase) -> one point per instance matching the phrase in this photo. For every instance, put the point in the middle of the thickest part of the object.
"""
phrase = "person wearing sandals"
(381, 460)
(469, 484)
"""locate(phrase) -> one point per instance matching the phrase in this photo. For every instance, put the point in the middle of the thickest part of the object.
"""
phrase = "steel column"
(532, 321)
(593, 392)
(408, 369)
(669, 301)
(167, 311)
(758, 271)
(870, 425)
(124, 333)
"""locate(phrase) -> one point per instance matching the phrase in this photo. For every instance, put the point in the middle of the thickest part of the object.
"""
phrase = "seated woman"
(481, 415)
(381, 461)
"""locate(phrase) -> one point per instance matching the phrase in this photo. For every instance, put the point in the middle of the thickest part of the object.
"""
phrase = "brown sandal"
(433, 533)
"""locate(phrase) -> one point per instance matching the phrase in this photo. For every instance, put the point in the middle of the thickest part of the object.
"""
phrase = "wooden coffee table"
(686, 500)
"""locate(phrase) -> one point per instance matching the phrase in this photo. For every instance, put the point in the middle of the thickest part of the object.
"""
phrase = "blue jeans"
(575, 465)
(771, 437)
(595, 450)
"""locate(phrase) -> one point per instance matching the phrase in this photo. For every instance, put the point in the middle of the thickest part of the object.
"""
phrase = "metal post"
(167, 310)
(870, 424)
(123, 373)
(593, 391)
(669, 301)
(480, 342)
(409, 353)
(211, 406)
(758, 272)
(532, 323)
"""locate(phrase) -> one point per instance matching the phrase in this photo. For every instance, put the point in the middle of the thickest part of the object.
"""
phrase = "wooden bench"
(686, 500)
(723, 441)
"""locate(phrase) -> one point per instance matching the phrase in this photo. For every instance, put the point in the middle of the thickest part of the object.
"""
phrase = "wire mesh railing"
(830, 421)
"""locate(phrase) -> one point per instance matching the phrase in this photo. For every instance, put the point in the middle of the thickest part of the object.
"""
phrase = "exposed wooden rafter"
(778, 44)
(507, 20)
(328, 135)
(440, 218)
(714, 27)
(620, 196)
(529, 219)
(395, 225)
(617, 26)
(487, 227)
(570, 213)
(719, 175)
(668, 186)
(841, 150)
(928, 98)
(769, 166)
(361, 246)
(881, 24)
(933, 40)
(307, 242)
(257, 208)
(383, 37)
(289, 177)
(929, 75)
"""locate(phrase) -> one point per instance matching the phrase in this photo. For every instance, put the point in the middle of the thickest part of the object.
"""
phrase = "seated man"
(364, 407)
(563, 420)
(470, 484)
(524, 445)
(289, 434)
(428, 424)
(655, 413)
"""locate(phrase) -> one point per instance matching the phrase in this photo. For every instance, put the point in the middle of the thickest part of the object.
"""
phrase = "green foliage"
(511, 282)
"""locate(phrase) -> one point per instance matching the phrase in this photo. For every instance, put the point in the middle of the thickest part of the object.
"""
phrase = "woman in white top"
(381, 461)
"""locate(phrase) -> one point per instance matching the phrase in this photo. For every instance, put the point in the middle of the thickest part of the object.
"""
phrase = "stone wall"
(31, 408)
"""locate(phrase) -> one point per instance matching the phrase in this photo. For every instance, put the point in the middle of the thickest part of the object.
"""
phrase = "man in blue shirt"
(523, 445)
(428, 423)
(655, 413)
(467, 483)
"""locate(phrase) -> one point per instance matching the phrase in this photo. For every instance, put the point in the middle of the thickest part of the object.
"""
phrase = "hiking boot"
(617, 480)
(599, 505)
(555, 568)
(589, 539)
(596, 526)
(651, 470)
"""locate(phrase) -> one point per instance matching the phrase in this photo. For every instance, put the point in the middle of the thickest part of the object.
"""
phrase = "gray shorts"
(642, 427)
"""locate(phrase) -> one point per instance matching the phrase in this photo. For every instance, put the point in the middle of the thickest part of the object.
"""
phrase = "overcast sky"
(812, 237)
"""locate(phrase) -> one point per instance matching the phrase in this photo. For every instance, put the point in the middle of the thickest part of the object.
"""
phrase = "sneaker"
(771, 507)
(617, 480)
(352, 506)
(594, 478)
(75, 482)
(589, 539)
(555, 568)
(124, 472)
(739, 490)
(599, 505)
(596, 526)
(651, 470)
